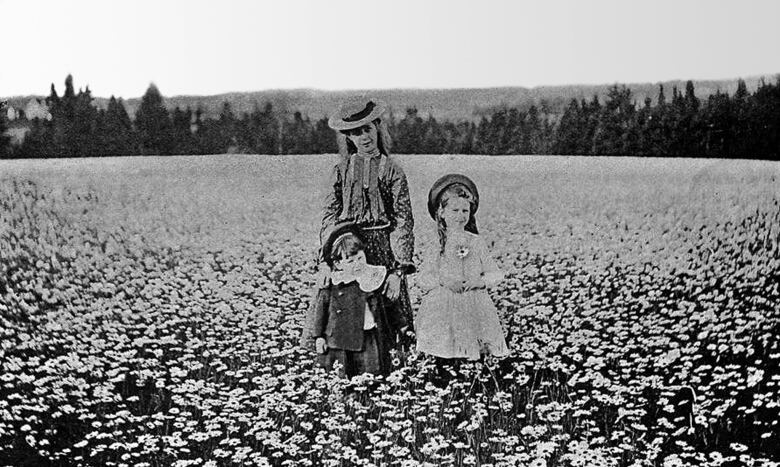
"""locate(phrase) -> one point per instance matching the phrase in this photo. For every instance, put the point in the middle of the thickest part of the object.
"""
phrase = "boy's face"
(353, 263)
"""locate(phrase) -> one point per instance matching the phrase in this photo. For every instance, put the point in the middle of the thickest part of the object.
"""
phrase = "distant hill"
(443, 104)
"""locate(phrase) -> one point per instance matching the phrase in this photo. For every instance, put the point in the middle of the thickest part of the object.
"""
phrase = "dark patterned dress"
(373, 192)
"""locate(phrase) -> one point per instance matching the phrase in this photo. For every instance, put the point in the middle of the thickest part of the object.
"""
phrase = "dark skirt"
(379, 252)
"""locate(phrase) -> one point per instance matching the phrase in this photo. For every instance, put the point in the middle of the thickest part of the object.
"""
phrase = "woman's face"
(456, 213)
(364, 138)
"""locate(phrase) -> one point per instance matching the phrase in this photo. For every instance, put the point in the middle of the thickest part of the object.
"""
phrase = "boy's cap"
(356, 113)
(440, 185)
(338, 230)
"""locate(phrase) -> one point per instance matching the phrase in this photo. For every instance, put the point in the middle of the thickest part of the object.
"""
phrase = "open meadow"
(150, 313)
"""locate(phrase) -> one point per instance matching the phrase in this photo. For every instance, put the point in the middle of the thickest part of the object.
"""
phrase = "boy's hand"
(393, 287)
(473, 284)
(320, 345)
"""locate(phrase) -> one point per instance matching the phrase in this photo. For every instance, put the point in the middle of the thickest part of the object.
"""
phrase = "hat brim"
(338, 122)
(338, 231)
(445, 182)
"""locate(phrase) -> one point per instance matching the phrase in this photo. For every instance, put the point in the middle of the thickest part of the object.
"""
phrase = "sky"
(197, 47)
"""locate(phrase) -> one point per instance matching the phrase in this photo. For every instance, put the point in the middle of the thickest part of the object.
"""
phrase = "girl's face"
(364, 138)
(456, 213)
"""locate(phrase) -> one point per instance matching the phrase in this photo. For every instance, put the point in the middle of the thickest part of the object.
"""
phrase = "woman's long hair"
(456, 190)
(383, 140)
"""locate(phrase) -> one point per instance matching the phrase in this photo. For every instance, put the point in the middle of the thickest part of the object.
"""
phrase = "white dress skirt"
(459, 325)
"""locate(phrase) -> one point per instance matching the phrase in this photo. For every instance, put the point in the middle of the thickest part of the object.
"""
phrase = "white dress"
(459, 325)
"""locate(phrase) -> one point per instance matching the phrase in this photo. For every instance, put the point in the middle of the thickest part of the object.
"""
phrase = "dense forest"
(740, 125)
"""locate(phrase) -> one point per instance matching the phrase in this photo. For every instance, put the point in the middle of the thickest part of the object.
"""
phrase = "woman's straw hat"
(357, 113)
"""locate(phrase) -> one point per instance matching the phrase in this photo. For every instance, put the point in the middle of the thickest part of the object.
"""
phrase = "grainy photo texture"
(419, 233)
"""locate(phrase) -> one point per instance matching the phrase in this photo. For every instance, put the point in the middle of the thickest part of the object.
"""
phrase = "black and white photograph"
(411, 233)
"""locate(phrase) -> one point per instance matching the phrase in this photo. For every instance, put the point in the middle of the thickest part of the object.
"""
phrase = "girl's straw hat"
(445, 182)
(357, 113)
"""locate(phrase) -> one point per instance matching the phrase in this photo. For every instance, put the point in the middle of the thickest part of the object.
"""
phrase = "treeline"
(79, 129)
(743, 125)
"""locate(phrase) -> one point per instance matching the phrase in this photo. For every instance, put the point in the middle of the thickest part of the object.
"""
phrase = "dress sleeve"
(490, 272)
(429, 277)
(332, 203)
(321, 313)
(402, 236)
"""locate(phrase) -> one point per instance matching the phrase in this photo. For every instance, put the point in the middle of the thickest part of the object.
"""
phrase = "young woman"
(369, 188)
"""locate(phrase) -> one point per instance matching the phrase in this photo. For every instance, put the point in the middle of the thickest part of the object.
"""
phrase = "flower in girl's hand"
(462, 251)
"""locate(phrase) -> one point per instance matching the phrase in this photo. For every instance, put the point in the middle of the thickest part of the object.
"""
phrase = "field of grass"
(150, 311)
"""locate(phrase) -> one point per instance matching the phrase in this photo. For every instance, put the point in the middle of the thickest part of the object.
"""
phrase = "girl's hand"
(473, 284)
(454, 284)
(320, 345)
(393, 287)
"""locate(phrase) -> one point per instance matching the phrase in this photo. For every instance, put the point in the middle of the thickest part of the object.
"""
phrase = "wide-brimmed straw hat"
(445, 182)
(343, 228)
(357, 113)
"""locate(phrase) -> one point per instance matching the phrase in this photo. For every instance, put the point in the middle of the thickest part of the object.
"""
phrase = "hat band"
(342, 237)
(362, 114)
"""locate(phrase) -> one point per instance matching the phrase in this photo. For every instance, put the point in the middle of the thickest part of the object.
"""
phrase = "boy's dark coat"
(339, 314)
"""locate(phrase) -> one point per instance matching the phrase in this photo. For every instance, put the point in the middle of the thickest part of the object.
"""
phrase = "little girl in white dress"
(457, 319)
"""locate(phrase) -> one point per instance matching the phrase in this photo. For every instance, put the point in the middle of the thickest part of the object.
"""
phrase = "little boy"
(352, 324)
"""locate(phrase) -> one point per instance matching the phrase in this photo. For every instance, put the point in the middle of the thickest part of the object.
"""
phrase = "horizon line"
(759, 76)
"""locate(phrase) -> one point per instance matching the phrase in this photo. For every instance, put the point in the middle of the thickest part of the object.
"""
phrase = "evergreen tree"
(84, 135)
(323, 139)
(482, 144)
(210, 137)
(39, 141)
(409, 133)
(642, 121)
(61, 110)
(433, 139)
(534, 135)
(741, 106)
(452, 138)
(513, 134)
(689, 124)
(568, 131)
(114, 135)
(153, 124)
(591, 113)
(612, 136)
(766, 120)
(198, 132)
(227, 129)
(468, 132)
(691, 101)
(497, 126)
(183, 140)
(5, 141)
(115, 131)
(718, 123)
(74, 124)
(296, 138)
(269, 131)
(657, 131)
